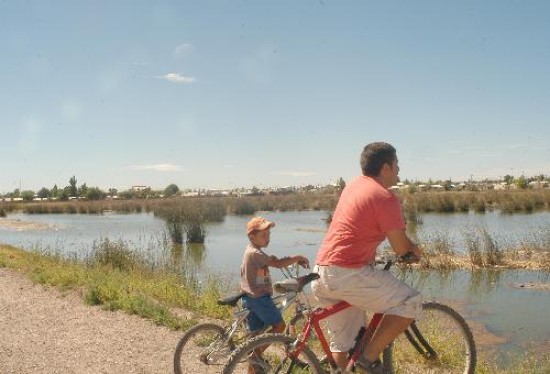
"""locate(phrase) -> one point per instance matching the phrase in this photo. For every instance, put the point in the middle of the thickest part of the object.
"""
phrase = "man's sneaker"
(259, 365)
(374, 367)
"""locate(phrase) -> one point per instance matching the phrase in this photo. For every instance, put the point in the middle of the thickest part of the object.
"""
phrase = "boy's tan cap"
(258, 223)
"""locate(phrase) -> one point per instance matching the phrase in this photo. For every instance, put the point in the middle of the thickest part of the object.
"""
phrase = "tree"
(27, 195)
(521, 182)
(83, 190)
(94, 193)
(448, 185)
(44, 193)
(65, 194)
(128, 194)
(16, 193)
(73, 191)
(341, 184)
(171, 190)
(54, 192)
(508, 179)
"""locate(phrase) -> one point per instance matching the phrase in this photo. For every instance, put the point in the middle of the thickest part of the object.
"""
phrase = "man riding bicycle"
(367, 213)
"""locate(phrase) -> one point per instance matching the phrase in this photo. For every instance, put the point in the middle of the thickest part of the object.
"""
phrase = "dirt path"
(45, 331)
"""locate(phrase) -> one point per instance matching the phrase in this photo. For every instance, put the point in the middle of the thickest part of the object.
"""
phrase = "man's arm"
(401, 243)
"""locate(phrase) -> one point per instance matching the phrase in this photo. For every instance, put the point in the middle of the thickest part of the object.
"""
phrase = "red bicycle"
(439, 342)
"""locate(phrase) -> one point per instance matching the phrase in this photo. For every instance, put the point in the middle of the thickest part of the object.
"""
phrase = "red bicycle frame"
(318, 314)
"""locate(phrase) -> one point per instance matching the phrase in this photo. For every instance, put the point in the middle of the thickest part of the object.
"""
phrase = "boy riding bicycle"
(366, 214)
(257, 284)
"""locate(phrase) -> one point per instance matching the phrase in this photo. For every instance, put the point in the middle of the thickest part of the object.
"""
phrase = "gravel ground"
(45, 331)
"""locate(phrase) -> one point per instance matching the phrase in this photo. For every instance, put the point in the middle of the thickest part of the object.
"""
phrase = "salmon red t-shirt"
(365, 213)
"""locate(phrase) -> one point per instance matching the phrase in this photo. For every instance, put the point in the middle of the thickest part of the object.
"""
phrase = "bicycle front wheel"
(449, 344)
(204, 348)
(279, 357)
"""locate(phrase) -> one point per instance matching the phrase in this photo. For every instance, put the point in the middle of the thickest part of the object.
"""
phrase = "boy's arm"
(286, 261)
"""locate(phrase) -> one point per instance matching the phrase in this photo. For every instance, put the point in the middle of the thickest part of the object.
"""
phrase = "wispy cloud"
(176, 78)
(294, 173)
(157, 167)
(183, 48)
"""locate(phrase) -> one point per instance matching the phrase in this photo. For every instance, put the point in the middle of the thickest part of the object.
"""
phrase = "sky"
(229, 94)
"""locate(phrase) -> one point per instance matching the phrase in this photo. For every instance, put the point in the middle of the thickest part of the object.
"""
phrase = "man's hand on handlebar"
(409, 258)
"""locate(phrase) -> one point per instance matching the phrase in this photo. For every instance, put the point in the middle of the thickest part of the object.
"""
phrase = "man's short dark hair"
(374, 156)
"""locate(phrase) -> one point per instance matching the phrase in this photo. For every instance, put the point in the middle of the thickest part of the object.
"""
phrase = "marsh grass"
(115, 279)
(186, 216)
(479, 201)
(438, 253)
(484, 251)
(510, 201)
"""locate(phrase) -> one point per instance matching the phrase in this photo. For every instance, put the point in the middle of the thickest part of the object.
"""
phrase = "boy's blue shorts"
(263, 312)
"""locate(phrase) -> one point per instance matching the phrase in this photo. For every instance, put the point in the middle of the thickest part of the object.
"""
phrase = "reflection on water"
(493, 301)
(189, 260)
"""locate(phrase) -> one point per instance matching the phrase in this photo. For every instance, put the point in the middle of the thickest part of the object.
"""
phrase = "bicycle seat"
(231, 300)
(294, 284)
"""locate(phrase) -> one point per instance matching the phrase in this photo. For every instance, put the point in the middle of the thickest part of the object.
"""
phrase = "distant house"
(139, 188)
(191, 194)
(501, 186)
(538, 184)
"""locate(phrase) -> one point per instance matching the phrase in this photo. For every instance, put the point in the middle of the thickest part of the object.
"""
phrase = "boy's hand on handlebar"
(304, 262)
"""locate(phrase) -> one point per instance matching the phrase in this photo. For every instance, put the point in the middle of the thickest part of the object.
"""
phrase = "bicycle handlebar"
(407, 258)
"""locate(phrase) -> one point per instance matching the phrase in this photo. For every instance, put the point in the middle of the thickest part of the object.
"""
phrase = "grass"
(531, 361)
(115, 279)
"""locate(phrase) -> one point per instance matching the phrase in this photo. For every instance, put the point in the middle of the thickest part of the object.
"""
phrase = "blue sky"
(221, 94)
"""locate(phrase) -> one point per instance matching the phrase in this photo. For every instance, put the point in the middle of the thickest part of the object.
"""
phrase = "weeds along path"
(45, 331)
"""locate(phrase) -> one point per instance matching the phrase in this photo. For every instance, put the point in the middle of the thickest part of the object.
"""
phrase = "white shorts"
(366, 289)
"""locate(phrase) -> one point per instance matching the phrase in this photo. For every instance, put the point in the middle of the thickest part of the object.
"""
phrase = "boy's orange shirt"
(255, 276)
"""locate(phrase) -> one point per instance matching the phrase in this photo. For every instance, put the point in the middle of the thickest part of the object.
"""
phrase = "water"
(500, 312)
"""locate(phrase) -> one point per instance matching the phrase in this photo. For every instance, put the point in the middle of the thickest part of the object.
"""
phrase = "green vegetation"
(117, 279)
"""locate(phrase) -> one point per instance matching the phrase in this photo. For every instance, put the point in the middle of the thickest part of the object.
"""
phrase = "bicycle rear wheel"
(204, 348)
(446, 332)
(276, 357)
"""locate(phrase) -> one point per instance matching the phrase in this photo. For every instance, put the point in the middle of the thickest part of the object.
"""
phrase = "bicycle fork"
(420, 343)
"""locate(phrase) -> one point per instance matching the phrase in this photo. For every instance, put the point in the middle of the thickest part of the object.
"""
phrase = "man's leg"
(390, 328)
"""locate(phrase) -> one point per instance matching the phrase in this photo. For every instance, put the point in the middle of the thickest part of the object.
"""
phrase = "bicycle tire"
(446, 332)
(275, 355)
(202, 349)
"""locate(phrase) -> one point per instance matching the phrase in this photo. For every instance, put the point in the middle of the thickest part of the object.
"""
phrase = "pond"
(503, 314)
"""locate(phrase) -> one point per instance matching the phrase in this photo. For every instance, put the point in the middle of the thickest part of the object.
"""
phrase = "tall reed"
(483, 249)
